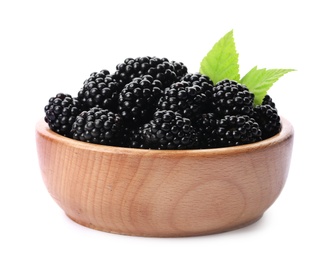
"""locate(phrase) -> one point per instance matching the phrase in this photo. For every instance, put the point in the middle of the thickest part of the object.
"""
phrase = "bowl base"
(164, 234)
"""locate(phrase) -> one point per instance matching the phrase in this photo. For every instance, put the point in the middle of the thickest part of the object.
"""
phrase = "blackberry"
(231, 98)
(169, 130)
(204, 82)
(268, 119)
(207, 129)
(61, 112)
(180, 69)
(186, 98)
(158, 68)
(231, 130)
(134, 138)
(268, 101)
(99, 126)
(138, 99)
(198, 79)
(99, 90)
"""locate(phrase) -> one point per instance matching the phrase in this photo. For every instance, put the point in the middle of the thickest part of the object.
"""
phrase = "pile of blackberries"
(154, 103)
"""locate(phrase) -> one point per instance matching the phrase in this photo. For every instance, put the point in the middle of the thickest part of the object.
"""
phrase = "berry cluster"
(154, 103)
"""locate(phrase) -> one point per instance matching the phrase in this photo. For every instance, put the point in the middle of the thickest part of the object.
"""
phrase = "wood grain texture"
(163, 193)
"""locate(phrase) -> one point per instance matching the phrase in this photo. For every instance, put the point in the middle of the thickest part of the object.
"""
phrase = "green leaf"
(259, 81)
(221, 62)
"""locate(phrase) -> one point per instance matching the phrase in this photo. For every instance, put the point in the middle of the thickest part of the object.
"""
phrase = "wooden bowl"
(163, 193)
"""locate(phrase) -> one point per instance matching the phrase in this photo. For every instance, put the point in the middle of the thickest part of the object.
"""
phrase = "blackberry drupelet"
(231, 130)
(61, 112)
(231, 98)
(186, 98)
(99, 126)
(158, 68)
(99, 90)
(268, 119)
(138, 99)
(169, 130)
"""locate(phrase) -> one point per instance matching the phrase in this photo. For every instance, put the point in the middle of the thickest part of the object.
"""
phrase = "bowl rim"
(286, 133)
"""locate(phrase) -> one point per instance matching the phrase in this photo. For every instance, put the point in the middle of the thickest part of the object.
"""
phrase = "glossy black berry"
(169, 130)
(138, 99)
(268, 119)
(99, 90)
(99, 126)
(231, 98)
(159, 68)
(180, 69)
(197, 79)
(60, 113)
(207, 129)
(134, 138)
(268, 101)
(187, 98)
(238, 130)
(231, 130)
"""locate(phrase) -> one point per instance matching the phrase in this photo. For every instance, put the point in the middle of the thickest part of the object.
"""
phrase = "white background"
(48, 47)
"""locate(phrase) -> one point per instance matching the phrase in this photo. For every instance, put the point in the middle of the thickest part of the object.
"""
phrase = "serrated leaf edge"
(264, 84)
(206, 62)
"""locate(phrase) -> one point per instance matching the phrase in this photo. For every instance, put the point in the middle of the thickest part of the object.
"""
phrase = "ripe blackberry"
(61, 112)
(99, 90)
(197, 79)
(237, 130)
(185, 98)
(268, 119)
(231, 98)
(133, 138)
(169, 130)
(231, 130)
(207, 129)
(99, 126)
(158, 68)
(180, 69)
(138, 99)
(204, 82)
(268, 101)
